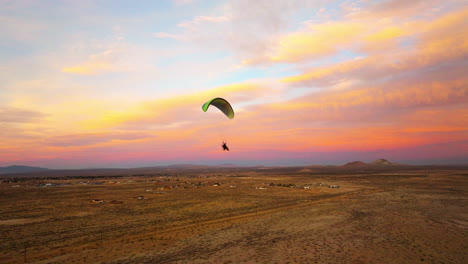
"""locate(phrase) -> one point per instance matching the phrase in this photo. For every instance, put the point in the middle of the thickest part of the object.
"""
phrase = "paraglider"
(221, 104)
(225, 107)
(225, 147)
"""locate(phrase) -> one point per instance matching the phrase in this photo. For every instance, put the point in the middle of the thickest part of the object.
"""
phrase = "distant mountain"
(185, 166)
(382, 162)
(376, 163)
(194, 166)
(355, 164)
(230, 165)
(20, 169)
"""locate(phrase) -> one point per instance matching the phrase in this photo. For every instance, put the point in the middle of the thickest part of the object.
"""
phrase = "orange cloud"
(162, 113)
(325, 72)
(394, 114)
(391, 95)
(385, 34)
(90, 68)
(437, 42)
(445, 37)
(102, 126)
(316, 41)
(386, 40)
(326, 137)
(371, 33)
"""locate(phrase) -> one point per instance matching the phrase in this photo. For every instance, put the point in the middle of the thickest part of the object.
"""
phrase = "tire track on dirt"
(346, 195)
(214, 224)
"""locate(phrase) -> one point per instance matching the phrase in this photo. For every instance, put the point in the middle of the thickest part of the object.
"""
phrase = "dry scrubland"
(376, 216)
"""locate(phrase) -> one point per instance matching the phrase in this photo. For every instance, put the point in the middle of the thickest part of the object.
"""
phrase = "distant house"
(96, 201)
(334, 186)
(141, 197)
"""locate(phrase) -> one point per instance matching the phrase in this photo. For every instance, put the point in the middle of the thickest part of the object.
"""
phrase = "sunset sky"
(86, 84)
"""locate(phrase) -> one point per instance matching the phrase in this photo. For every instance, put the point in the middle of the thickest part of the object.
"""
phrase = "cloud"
(256, 26)
(200, 28)
(436, 120)
(373, 77)
(323, 40)
(317, 41)
(167, 35)
(17, 115)
(417, 108)
(199, 20)
(244, 28)
(106, 61)
(163, 113)
(397, 9)
(364, 32)
(377, 103)
(386, 34)
(444, 37)
(112, 54)
(86, 139)
(429, 50)
(182, 2)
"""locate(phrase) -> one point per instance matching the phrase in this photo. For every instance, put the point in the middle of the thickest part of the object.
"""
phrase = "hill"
(355, 164)
(383, 162)
(20, 169)
(375, 164)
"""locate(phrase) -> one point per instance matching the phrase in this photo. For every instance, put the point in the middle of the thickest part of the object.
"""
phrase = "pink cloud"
(86, 139)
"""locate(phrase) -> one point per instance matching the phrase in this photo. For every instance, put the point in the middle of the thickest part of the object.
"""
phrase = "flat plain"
(237, 215)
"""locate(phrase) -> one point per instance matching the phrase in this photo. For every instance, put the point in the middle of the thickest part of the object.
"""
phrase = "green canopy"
(221, 104)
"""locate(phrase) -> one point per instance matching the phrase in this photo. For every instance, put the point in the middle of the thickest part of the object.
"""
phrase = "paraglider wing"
(222, 105)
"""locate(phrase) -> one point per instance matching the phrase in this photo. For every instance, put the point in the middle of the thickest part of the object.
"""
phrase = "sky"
(87, 84)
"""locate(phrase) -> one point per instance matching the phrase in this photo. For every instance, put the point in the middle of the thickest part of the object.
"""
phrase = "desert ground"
(237, 215)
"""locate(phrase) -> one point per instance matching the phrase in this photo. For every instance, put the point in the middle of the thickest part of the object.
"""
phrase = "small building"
(96, 201)
(334, 186)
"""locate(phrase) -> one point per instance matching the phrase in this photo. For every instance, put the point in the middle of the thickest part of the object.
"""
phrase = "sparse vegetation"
(390, 214)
